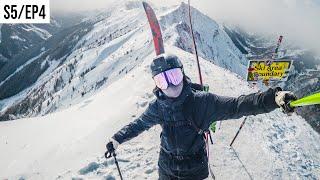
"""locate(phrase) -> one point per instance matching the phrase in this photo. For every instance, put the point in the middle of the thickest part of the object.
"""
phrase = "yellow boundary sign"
(268, 70)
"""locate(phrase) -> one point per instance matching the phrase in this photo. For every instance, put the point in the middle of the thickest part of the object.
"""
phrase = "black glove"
(111, 147)
(283, 99)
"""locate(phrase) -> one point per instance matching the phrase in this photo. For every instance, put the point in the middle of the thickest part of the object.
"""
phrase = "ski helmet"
(165, 62)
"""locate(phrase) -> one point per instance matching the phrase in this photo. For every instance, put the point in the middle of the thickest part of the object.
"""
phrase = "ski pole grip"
(291, 105)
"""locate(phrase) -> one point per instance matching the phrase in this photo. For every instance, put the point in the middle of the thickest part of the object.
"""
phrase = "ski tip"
(145, 4)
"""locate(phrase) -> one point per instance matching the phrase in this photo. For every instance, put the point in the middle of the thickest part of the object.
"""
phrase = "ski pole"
(277, 47)
(242, 124)
(306, 101)
(266, 82)
(273, 57)
(206, 88)
(235, 137)
(195, 45)
(108, 155)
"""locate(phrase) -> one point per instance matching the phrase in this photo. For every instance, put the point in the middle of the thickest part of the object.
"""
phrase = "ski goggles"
(171, 76)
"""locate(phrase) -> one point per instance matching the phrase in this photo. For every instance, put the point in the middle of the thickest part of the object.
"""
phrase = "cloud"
(297, 20)
(79, 5)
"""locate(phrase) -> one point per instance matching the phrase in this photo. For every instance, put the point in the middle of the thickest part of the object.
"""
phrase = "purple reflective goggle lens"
(171, 76)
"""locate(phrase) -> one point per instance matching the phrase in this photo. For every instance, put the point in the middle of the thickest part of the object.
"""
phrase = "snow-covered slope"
(104, 82)
(115, 45)
(16, 38)
(71, 143)
(213, 43)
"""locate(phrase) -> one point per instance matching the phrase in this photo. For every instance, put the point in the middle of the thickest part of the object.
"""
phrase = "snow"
(42, 33)
(20, 68)
(213, 43)
(117, 44)
(15, 37)
(70, 143)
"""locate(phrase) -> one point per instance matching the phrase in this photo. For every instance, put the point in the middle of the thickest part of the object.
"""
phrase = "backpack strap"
(191, 122)
(176, 123)
(171, 123)
(205, 133)
(196, 87)
(188, 112)
(160, 113)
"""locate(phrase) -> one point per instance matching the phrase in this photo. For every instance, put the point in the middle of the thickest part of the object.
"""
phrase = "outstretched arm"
(148, 119)
(223, 108)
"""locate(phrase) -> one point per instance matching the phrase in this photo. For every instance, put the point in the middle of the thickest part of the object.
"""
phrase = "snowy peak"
(212, 41)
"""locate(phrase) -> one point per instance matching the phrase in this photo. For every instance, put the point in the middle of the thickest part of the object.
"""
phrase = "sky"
(297, 20)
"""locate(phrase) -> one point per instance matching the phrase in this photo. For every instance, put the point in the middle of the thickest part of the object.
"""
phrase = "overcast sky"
(297, 20)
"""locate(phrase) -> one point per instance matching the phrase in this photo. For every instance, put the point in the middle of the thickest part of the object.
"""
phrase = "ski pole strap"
(198, 130)
(107, 155)
(207, 144)
(110, 154)
(210, 136)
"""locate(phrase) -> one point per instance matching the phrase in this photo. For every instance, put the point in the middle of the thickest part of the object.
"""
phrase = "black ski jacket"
(178, 136)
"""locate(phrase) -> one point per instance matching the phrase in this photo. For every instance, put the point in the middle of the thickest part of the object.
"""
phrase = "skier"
(185, 112)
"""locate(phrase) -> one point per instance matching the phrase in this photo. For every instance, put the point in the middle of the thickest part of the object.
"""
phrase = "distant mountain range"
(17, 38)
